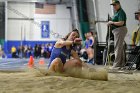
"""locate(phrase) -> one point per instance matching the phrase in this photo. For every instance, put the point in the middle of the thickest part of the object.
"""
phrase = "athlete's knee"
(58, 62)
(78, 62)
(74, 63)
(57, 65)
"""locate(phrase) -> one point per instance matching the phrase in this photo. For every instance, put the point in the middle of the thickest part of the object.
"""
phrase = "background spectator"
(13, 51)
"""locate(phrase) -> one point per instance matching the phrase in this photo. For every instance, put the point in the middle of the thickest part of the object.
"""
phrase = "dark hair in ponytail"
(75, 30)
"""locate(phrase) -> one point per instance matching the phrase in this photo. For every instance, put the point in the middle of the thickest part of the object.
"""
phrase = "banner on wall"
(45, 29)
(41, 8)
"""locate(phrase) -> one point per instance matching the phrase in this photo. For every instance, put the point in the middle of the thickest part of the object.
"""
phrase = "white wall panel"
(59, 22)
(102, 10)
(16, 10)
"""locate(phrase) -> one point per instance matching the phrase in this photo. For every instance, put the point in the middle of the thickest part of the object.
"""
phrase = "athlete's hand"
(77, 40)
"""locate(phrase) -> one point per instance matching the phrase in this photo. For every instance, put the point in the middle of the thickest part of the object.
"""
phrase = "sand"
(32, 82)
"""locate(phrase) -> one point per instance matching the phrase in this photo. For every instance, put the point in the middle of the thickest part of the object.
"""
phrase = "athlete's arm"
(60, 43)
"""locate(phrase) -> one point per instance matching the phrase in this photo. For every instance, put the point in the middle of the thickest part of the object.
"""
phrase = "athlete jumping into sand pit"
(62, 50)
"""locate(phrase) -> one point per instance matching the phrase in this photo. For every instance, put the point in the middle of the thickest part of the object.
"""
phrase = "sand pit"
(27, 82)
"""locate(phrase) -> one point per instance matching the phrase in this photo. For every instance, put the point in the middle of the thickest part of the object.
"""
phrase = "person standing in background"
(39, 50)
(13, 51)
(36, 50)
(136, 38)
(1, 53)
(119, 30)
(136, 32)
(90, 48)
